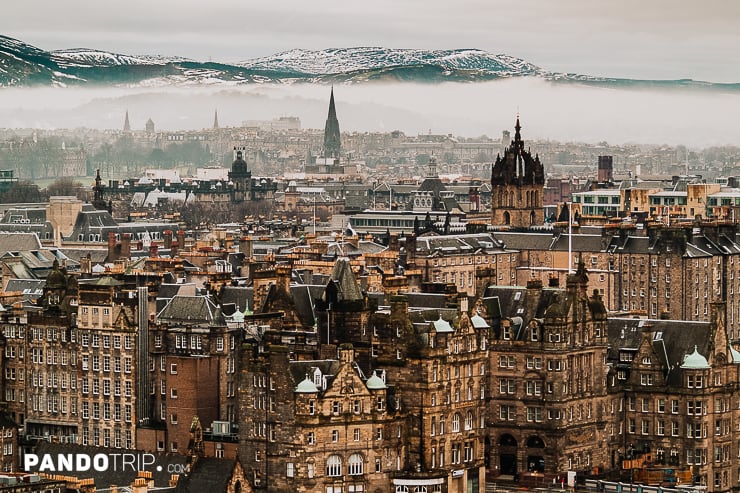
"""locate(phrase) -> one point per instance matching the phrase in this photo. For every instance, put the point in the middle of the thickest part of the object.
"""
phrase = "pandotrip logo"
(109, 462)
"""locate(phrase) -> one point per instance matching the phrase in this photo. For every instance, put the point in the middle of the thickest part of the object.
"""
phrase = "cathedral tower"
(517, 186)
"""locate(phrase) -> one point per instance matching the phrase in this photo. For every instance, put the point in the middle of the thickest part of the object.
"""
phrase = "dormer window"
(507, 333)
(646, 360)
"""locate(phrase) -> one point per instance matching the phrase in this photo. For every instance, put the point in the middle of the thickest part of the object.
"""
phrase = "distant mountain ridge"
(24, 65)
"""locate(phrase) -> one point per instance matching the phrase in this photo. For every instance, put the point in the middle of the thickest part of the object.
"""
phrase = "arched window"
(455, 422)
(355, 465)
(402, 489)
(469, 419)
(334, 466)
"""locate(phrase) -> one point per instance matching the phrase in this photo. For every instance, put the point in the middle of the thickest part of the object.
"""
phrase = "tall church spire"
(332, 143)
(215, 120)
(126, 124)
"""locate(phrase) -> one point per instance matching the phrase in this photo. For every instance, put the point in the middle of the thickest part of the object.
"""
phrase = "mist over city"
(478, 246)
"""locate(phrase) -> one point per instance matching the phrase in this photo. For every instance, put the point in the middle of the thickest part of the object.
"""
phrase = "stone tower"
(240, 178)
(517, 186)
(332, 142)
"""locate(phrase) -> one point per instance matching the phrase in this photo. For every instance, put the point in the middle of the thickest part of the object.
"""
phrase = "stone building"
(316, 425)
(673, 402)
(107, 351)
(517, 186)
(40, 364)
(548, 378)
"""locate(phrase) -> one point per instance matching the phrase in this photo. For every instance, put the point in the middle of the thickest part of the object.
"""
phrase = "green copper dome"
(375, 382)
(695, 361)
(306, 387)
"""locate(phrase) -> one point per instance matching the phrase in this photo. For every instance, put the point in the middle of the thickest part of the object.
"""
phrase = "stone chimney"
(283, 272)
(463, 302)
(245, 246)
(126, 245)
(86, 263)
(168, 239)
(181, 240)
(112, 246)
(346, 353)
(399, 307)
(139, 485)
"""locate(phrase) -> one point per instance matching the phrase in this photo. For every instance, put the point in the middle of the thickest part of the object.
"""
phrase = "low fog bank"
(563, 112)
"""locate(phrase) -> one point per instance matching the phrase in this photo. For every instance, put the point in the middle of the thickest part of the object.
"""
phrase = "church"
(517, 186)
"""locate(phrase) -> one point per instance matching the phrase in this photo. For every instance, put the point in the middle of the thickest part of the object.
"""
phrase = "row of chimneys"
(123, 249)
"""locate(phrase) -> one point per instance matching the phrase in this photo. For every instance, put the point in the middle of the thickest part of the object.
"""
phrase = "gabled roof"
(345, 282)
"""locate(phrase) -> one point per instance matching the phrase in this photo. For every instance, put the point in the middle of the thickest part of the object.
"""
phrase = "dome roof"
(238, 316)
(734, 355)
(375, 382)
(479, 322)
(695, 361)
(306, 387)
(442, 325)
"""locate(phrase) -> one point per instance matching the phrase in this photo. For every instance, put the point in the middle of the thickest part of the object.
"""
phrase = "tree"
(22, 191)
(66, 186)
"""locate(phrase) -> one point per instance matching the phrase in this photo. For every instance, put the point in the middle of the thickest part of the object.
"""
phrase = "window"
(356, 435)
(334, 435)
(455, 423)
(507, 386)
(534, 362)
(534, 414)
(355, 465)
(311, 438)
(334, 466)
(289, 470)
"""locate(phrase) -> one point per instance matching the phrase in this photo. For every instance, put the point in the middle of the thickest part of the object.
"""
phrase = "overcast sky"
(647, 39)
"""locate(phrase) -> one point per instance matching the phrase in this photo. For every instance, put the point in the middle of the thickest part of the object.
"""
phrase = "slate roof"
(31, 288)
(672, 340)
(10, 242)
(192, 309)
(344, 280)
(460, 243)
(525, 241)
(299, 369)
(240, 296)
(114, 476)
(97, 255)
(304, 297)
